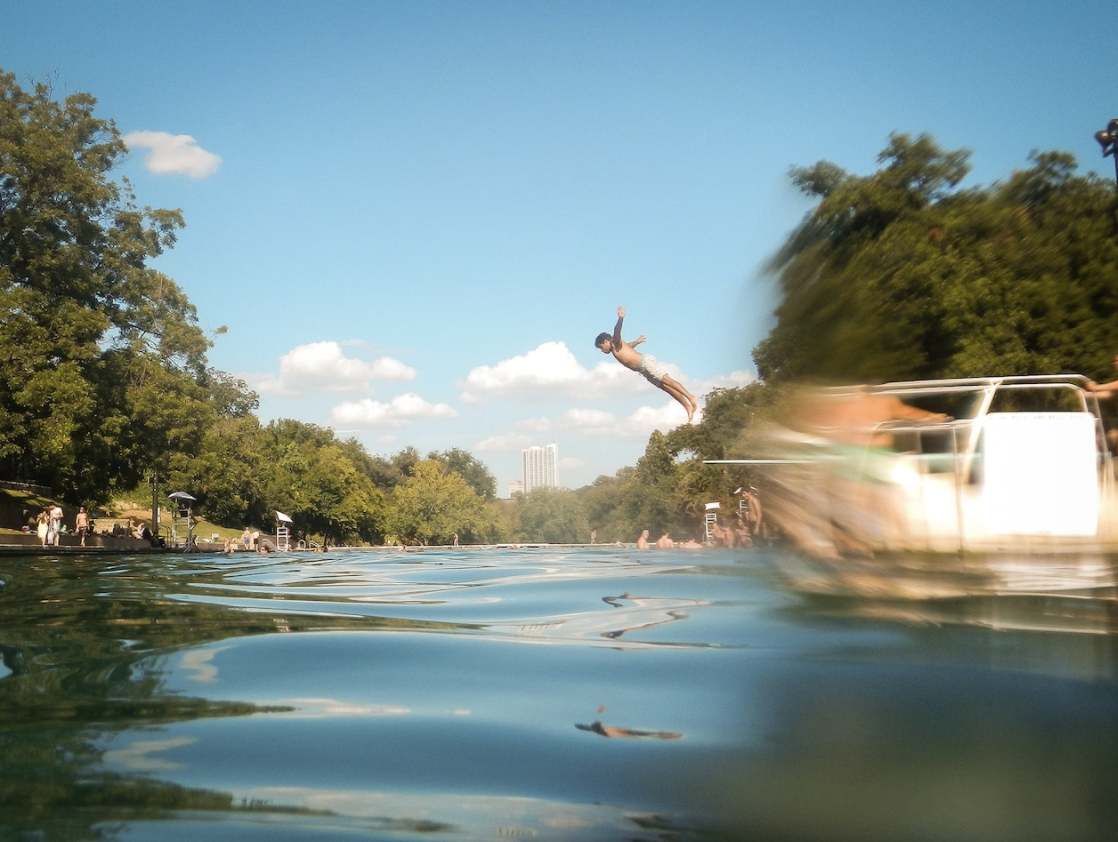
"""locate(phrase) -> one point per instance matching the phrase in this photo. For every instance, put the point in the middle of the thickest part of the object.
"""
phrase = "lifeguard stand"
(283, 533)
(743, 504)
(711, 518)
(182, 518)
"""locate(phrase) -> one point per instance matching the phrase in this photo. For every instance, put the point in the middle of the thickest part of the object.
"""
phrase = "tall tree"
(314, 480)
(470, 468)
(551, 515)
(602, 503)
(434, 504)
(103, 360)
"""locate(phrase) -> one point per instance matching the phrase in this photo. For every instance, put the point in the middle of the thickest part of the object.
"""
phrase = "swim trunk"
(652, 370)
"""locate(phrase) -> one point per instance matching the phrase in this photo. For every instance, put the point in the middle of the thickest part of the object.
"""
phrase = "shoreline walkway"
(28, 545)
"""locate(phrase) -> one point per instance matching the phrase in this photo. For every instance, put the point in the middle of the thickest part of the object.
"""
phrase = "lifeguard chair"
(182, 518)
(283, 532)
(743, 504)
(711, 519)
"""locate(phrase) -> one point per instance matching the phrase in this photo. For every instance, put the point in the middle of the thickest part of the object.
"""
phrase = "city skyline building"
(540, 467)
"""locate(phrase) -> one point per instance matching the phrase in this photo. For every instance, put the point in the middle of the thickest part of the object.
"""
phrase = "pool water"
(598, 693)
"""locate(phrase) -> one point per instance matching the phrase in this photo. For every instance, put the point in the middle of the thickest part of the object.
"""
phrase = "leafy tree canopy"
(434, 504)
(471, 469)
(901, 274)
(551, 515)
(104, 369)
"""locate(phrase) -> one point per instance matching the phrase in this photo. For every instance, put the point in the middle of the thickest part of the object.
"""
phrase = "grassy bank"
(18, 507)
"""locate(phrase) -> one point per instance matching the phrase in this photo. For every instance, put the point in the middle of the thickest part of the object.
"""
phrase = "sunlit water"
(552, 694)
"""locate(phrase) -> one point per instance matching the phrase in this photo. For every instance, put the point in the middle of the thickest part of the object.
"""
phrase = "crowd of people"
(49, 526)
(250, 540)
(744, 529)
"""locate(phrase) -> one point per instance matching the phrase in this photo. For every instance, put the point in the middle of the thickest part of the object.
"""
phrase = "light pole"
(1108, 140)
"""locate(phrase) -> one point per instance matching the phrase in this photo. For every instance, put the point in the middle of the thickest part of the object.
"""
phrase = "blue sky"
(414, 217)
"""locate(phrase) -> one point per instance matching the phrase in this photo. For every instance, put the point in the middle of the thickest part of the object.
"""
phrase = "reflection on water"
(432, 695)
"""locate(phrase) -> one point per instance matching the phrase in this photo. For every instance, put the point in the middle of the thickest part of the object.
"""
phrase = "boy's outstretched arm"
(617, 327)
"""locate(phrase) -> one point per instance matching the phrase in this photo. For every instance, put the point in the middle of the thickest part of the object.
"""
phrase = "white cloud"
(734, 379)
(547, 372)
(598, 424)
(511, 441)
(332, 708)
(324, 367)
(539, 425)
(173, 154)
(401, 411)
(137, 756)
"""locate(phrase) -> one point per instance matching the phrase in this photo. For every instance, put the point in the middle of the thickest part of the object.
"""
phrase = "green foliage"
(601, 501)
(331, 498)
(900, 275)
(229, 478)
(309, 476)
(335, 491)
(669, 488)
(434, 504)
(103, 376)
(471, 469)
(550, 515)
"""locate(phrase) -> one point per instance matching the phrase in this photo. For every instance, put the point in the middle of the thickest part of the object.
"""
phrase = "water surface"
(567, 694)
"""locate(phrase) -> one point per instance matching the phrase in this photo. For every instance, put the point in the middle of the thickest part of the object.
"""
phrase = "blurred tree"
(901, 275)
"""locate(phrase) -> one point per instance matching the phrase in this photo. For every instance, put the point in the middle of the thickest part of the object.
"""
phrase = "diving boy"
(644, 364)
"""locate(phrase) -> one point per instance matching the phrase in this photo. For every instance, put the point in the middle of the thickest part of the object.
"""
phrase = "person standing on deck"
(81, 523)
(42, 526)
(55, 526)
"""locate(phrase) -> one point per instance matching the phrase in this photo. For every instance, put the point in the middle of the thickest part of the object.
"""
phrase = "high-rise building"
(540, 467)
(515, 487)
